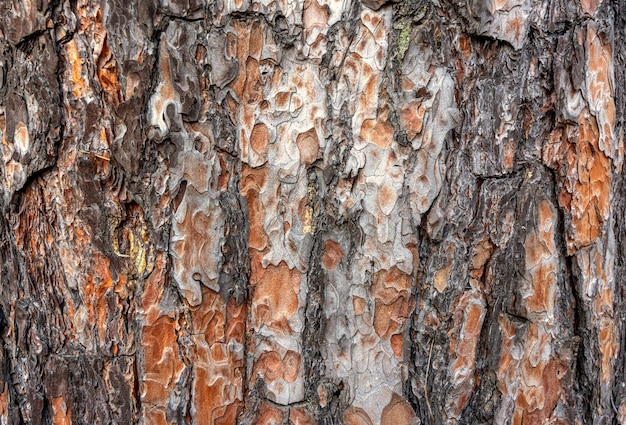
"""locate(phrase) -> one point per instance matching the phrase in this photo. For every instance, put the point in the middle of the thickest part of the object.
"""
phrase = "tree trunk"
(312, 212)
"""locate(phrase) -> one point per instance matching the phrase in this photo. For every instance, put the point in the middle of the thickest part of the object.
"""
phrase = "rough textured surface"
(312, 212)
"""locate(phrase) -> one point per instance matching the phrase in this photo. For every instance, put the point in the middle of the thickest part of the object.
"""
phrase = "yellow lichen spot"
(307, 220)
(138, 243)
(114, 222)
(138, 251)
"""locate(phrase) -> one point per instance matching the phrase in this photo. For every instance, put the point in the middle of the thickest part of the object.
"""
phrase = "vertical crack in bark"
(313, 334)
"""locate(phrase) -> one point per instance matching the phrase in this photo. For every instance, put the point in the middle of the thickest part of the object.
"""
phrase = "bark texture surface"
(312, 212)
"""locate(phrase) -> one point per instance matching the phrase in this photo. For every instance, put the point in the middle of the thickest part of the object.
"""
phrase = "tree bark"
(312, 212)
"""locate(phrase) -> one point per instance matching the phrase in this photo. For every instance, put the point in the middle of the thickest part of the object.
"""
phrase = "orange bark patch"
(377, 131)
(591, 190)
(282, 101)
(218, 376)
(253, 89)
(513, 27)
(412, 118)
(257, 238)
(4, 409)
(275, 298)
(600, 88)
(396, 344)
(308, 145)
(216, 383)
(159, 342)
(542, 299)
(583, 153)
(407, 84)
(607, 341)
(387, 198)
(469, 316)
(482, 253)
(207, 397)
(155, 415)
(390, 290)
(322, 395)
(532, 377)
(441, 276)
(332, 255)
(538, 403)
(389, 284)
(75, 69)
(314, 17)
(508, 154)
(291, 363)
(270, 366)
(359, 305)
(253, 181)
(300, 416)
(228, 414)
(103, 282)
(473, 321)
(153, 289)
(236, 323)
(397, 412)
(260, 139)
(541, 266)
(267, 415)
(508, 365)
(498, 5)
(238, 46)
(208, 318)
(465, 45)
(356, 416)
(162, 361)
(60, 413)
(255, 46)
(440, 279)
(107, 74)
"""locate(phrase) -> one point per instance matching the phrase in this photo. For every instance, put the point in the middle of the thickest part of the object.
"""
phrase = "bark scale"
(312, 212)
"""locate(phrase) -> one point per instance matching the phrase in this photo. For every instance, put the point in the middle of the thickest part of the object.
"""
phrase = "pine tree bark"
(312, 212)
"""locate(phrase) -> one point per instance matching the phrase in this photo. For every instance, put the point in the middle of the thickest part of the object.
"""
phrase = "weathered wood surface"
(312, 212)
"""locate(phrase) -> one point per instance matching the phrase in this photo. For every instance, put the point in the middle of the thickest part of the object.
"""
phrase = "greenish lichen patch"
(404, 38)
